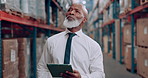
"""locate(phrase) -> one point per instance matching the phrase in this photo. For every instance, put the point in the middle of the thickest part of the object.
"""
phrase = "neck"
(75, 29)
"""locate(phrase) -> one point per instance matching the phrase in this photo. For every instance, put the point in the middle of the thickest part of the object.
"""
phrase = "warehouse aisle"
(115, 70)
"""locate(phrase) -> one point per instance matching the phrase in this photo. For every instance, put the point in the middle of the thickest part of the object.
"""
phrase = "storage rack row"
(108, 27)
(23, 27)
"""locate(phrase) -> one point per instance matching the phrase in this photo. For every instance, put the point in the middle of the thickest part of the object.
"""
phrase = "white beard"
(71, 24)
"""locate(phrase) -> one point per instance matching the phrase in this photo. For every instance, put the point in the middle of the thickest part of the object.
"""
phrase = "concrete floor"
(115, 70)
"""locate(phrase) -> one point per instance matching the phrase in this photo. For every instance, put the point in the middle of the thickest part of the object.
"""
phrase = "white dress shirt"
(86, 55)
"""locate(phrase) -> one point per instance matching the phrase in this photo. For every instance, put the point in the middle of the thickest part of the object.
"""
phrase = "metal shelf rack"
(131, 14)
(33, 27)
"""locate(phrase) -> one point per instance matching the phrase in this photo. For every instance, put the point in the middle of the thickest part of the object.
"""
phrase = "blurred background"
(119, 26)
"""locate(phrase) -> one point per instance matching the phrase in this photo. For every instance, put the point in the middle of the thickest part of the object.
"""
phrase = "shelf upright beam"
(48, 16)
(132, 37)
(121, 42)
(114, 44)
(113, 29)
(34, 69)
(1, 65)
(108, 38)
(56, 16)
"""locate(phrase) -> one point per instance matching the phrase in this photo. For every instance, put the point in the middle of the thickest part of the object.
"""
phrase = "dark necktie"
(68, 48)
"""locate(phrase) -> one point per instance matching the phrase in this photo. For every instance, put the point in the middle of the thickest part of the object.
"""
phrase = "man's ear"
(84, 20)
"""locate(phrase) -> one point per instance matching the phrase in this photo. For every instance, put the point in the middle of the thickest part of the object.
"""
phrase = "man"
(85, 54)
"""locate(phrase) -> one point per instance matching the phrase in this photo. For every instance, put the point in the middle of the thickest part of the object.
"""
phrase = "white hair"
(83, 7)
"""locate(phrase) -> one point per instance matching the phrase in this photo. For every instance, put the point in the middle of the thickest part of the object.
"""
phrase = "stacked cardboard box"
(127, 34)
(142, 62)
(10, 58)
(142, 42)
(24, 57)
(127, 58)
(142, 32)
(10, 5)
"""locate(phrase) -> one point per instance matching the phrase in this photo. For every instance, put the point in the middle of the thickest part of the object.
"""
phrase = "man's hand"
(75, 74)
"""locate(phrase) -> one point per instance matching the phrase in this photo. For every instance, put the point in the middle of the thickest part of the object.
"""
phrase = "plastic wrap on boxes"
(127, 3)
(101, 5)
(17, 5)
(41, 9)
(8, 5)
(111, 12)
(24, 6)
(32, 8)
(121, 6)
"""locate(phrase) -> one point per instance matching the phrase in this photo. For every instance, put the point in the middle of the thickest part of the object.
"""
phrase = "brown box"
(142, 62)
(142, 32)
(127, 33)
(24, 57)
(10, 68)
(127, 58)
(10, 50)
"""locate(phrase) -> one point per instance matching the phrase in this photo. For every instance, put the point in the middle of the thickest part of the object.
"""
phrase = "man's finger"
(70, 73)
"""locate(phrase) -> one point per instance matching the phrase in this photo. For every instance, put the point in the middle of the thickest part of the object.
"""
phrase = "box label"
(146, 62)
(13, 55)
(145, 30)
(127, 32)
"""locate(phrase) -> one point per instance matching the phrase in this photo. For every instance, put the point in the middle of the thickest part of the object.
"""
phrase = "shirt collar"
(78, 33)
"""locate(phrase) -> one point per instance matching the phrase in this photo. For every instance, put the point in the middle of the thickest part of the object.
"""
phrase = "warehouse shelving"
(108, 23)
(31, 26)
(135, 10)
(131, 14)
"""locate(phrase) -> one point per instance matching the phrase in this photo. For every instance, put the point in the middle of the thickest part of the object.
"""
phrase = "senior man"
(73, 47)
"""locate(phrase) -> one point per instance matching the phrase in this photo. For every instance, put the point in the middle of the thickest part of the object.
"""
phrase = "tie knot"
(71, 34)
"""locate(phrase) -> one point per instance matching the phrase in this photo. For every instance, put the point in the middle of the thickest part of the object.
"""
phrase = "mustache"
(71, 16)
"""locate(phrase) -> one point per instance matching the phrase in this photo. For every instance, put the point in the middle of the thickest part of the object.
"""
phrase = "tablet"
(57, 69)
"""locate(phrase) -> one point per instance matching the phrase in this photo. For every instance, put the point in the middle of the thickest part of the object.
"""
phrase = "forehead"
(76, 6)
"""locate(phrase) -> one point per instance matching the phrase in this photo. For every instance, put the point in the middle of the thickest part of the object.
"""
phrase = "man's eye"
(78, 12)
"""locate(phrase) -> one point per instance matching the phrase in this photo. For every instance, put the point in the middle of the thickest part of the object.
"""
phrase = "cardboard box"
(10, 50)
(24, 57)
(142, 32)
(142, 62)
(128, 62)
(127, 34)
(10, 68)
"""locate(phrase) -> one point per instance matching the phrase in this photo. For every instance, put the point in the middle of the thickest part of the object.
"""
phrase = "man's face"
(74, 16)
(75, 12)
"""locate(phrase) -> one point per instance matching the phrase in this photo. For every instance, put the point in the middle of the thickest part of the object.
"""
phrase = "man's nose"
(72, 12)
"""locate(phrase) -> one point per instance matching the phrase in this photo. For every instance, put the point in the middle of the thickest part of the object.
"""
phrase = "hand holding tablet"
(57, 69)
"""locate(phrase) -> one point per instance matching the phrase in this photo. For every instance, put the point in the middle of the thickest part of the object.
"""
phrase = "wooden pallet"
(127, 10)
(143, 2)
(15, 13)
(142, 46)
